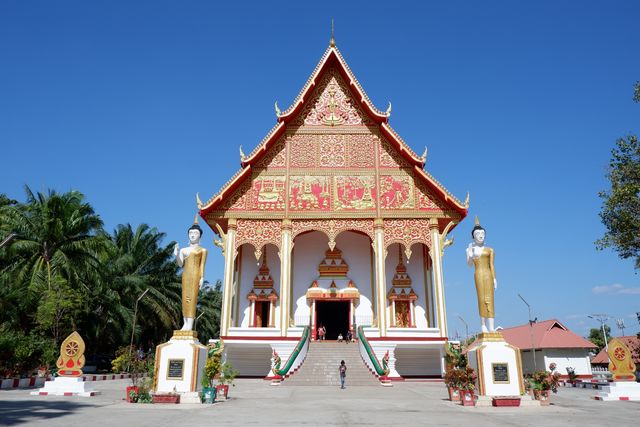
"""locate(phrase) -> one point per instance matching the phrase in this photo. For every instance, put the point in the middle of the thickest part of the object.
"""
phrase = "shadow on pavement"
(16, 412)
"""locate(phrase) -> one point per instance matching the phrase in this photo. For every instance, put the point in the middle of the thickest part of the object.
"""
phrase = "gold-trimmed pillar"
(438, 280)
(381, 281)
(285, 276)
(229, 259)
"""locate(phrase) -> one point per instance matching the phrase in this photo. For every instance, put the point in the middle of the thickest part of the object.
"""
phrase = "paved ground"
(254, 402)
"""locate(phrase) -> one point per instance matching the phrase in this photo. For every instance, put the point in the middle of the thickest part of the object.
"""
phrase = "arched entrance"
(335, 316)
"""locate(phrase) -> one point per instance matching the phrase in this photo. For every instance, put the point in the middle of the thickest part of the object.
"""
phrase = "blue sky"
(140, 105)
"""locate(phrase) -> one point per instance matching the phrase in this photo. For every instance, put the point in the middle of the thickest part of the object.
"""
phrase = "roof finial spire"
(332, 42)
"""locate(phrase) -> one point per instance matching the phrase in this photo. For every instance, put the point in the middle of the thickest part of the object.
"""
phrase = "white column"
(272, 313)
(438, 280)
(229, 258)
(285, 276)
(392, 321)
(381, 281)
(252, 313)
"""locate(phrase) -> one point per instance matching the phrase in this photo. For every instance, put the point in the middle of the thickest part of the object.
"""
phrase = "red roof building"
(553, 343)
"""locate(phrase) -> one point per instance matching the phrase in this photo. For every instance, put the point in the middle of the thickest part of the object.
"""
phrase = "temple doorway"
(262, 314)
(334, 316)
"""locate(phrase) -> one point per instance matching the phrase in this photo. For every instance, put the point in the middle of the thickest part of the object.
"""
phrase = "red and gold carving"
(389, 157)
(396, 192)
(332, 228)
(355, 193)
(304, 151)
(309, 193)
(258, 233)
(238, 200)
(332, 105)
(276, 157)
(427, 201)
(407, 232)
(268, 193)
(360, 149)
(71, 358)
(332, 151)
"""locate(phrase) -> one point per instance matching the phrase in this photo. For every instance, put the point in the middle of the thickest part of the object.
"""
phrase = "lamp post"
(133, 329)
(602, 318)
(466, 328)
(621, 326)
(533, 345)
(195, 322)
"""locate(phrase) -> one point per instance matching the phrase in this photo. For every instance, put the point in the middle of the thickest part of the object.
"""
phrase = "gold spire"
(195, 219)
(332, 41)
(477, 220)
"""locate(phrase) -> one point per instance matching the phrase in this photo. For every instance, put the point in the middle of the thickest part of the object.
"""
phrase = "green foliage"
(620, 212)
(212, 369)
(228, 374)
(545, 380)
(596, 337)
(62, 272)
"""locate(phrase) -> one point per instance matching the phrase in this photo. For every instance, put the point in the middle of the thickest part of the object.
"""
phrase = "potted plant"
(572, 375)
(467, 386)
(210, 373)
(542, 383)
(452, 381)
(225, 380)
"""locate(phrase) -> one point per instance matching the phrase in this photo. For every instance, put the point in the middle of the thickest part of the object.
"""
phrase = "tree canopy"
(620, 211)
(62, 272)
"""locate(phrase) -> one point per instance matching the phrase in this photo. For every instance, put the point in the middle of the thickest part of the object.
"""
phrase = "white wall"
(416, 271)
(309, 249)
(577, 358)
(248, 271)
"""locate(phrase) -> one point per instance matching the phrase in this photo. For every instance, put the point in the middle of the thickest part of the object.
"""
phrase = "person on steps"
(343, 373)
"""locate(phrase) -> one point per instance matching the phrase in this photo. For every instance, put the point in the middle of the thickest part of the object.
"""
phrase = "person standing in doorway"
(343, 373)
(321, 333)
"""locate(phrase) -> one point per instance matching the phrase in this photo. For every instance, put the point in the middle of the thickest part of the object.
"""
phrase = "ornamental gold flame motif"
(620, 362)
(71, 358)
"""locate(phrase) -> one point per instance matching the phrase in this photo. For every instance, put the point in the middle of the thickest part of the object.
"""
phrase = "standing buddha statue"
(481, 257)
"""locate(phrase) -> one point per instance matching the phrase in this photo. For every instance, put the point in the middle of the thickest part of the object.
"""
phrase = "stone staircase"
(321, 366)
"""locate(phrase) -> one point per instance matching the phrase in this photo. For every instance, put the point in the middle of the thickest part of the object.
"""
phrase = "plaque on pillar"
(498, 365)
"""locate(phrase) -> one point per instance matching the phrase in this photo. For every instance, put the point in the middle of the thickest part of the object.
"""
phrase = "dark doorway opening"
(262, 314)
(334, 316)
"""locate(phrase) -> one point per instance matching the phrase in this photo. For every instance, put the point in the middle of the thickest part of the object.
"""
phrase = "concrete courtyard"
(254, 402)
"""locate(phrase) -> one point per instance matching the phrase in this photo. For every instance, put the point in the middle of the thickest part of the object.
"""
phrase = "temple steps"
(321, 366)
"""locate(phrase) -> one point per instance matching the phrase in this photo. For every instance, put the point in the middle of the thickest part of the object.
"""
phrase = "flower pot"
(166, 398)
(129, 390)
(222, 391)
(467, 398)
(542, 396)
(454, 394)
(209, 394)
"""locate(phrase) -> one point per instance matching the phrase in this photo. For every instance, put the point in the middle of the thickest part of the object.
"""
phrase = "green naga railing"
(304, 340)
(380, 370)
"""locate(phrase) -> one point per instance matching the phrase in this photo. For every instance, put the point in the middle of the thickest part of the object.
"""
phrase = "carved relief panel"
(354, 193)
(397, 192)
(309, 193)
(267, 193)
(390, 158)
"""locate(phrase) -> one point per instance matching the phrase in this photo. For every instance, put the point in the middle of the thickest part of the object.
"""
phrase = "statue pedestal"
(619, 390)
(179, 364)
(497, 364)
(66, 386)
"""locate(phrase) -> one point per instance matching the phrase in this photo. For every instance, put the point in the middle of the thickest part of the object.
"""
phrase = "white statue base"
(619, 390)
(179, 365)
(66, 386)
(497, 364)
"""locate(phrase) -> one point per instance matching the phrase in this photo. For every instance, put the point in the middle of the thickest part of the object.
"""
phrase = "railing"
(364, 319)
(368, 355)
(298, 354)
(301, 319)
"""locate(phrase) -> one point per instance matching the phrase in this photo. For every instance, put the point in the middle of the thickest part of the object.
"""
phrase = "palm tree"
(209, 305)
(52, 258)
(133, 261)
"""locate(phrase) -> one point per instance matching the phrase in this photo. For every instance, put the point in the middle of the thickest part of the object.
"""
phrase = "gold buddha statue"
(481, 257)
(192, 259)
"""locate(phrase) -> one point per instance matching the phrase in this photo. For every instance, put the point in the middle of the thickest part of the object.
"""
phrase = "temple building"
(332, 220)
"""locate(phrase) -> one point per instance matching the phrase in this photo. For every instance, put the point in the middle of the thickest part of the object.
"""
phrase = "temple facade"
(332, 220)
